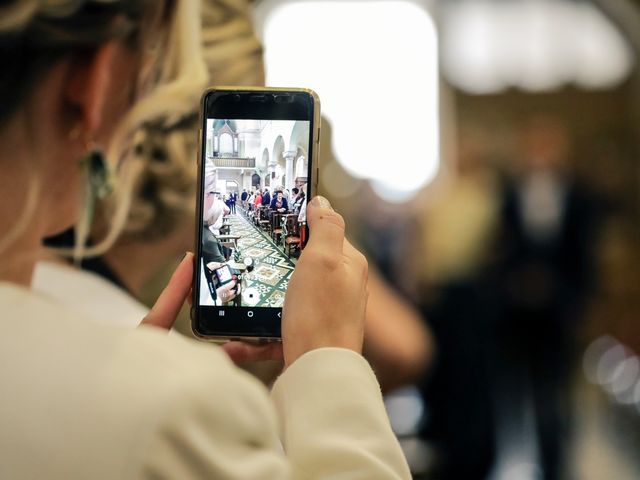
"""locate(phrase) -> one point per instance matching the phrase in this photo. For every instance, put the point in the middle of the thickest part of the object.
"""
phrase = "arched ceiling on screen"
(533, 45)
(219, 124)
(299, 138)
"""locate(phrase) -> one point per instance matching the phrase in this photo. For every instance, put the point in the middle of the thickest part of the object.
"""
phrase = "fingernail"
(321, 202)
(185, 256)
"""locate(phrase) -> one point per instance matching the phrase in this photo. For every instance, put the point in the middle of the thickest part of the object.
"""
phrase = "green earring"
(98, 177)
(98, 185)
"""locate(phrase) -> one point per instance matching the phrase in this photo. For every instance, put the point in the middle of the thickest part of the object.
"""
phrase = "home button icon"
(250, 314)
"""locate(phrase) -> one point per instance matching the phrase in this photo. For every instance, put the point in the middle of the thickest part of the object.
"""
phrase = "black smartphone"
(257, 166)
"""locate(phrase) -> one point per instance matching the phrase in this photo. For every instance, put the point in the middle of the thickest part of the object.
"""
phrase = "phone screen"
(255, 176)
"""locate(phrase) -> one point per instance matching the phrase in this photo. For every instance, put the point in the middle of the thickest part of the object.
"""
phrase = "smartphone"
(253, 142)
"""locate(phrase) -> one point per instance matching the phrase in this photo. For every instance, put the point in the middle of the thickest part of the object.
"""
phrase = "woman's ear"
(88, 85)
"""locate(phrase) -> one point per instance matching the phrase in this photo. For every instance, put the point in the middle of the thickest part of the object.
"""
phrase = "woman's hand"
(214, 265)
(228, 291)
(244, 352)
(327, 296)
(164, 312)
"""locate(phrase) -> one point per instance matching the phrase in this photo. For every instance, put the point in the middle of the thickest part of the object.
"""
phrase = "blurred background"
(486, 156)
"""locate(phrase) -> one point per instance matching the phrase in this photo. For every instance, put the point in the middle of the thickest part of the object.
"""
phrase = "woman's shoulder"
(29, 317)
(87, 293)
(125, 389)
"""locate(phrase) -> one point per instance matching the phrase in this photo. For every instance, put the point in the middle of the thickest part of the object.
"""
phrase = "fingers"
(214, 265)
(227, 289)
(226, 292)
(164, 312)
(241, 352)
(326, 226)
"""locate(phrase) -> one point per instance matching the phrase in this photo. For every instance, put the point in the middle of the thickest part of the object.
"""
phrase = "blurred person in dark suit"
(243, 198)
(544, 274)
(266, 197)
(233, 198)
(455, 238)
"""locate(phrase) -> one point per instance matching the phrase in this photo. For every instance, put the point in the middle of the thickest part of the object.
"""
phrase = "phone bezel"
(248, 323)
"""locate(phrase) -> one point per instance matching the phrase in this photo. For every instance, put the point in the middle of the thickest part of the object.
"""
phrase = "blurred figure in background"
(257, 202)
(457, 228)
(266, 197)
(233, 198)
(298, 198)
(543, 278)
(243, 198)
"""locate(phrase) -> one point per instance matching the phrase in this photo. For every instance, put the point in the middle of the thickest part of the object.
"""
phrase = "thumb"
(326, 226)
(164, 312)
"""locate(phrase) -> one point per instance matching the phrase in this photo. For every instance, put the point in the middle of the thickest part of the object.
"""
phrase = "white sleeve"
(333, 421)
(220, 424)
(220, 429)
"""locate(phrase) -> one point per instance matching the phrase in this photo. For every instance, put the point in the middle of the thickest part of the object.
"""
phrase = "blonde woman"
(87, 401)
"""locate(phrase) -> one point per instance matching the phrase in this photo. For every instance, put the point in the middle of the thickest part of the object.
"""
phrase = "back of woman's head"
(35, 34)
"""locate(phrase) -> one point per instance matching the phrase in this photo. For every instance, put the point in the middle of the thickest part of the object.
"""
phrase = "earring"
(98, 185)
(98, 175)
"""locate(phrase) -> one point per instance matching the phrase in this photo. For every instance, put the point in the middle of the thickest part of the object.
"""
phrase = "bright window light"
(374, 65)
(534, 45)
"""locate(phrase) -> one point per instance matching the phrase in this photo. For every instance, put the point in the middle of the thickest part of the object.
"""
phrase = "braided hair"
(167, 147)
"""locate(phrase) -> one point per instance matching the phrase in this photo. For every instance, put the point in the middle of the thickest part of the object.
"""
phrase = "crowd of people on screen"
(279, 200)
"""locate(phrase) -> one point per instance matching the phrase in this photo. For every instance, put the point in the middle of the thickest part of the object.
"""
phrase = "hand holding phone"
(327, 295)
(171, 300)
(327, 298)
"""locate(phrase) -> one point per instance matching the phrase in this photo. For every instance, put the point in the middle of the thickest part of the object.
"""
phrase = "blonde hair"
(34, 35)
(166, 148)
(184, 76)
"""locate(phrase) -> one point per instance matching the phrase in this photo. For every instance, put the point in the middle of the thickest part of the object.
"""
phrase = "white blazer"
(80, 400)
